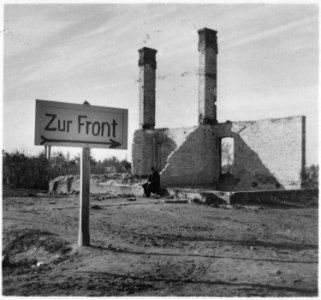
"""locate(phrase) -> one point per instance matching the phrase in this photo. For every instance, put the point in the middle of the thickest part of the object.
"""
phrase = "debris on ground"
(168, 249)
(95, 206)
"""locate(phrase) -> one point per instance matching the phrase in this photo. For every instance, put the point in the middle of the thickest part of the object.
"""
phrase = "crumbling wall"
(195, 161)
(114, 184)
(185, 156)
(268, 154)
(143, 151)
(153, 147)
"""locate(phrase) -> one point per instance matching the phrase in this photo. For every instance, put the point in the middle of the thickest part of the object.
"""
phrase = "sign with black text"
(76, 125)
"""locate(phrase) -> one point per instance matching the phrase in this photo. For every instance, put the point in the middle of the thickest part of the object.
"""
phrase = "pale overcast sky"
(267, 63)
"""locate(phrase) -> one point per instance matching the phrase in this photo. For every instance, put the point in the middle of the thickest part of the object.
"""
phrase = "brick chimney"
(207, 47)
(147, 72)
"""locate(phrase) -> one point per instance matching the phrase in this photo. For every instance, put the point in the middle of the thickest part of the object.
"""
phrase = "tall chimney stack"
(147, 72)
(207, 47)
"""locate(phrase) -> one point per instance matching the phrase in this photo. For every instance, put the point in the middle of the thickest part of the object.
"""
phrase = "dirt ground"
(156, 247)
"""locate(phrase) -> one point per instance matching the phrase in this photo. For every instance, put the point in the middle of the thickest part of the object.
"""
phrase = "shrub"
(36, 172)
(310, 178)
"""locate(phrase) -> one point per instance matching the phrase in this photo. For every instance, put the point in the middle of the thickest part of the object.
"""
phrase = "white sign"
(76, 125)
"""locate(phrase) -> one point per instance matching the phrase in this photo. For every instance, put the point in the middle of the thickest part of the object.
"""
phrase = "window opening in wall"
(227, 155)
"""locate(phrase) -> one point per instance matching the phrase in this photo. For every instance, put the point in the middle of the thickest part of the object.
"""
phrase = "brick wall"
(154, 147)
(143, 152)
(195, 161)
(147, 96)
(147, 84)
(268, 154)
(207, 76)
(185, 156)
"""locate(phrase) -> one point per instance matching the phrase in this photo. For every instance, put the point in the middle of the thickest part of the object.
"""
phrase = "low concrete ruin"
(114, 184)
(127, 185)
(268, 154)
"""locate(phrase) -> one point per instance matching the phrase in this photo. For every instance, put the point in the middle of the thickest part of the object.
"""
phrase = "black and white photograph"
(160, 148)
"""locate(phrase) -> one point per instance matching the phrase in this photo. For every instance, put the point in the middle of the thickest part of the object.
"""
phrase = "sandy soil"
(156, 247)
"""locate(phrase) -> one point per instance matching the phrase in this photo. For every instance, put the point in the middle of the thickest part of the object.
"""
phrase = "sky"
(267, 63)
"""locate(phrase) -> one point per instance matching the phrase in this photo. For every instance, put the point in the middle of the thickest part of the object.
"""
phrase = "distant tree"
(26, 172)
(36, 172)
(310, 177)
(126, 165)
(61, 165)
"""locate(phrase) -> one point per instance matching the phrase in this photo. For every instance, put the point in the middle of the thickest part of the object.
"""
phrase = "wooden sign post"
(83, 235)
(86, 126)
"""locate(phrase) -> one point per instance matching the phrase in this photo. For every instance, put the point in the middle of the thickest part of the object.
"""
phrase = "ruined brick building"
(268, 154)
